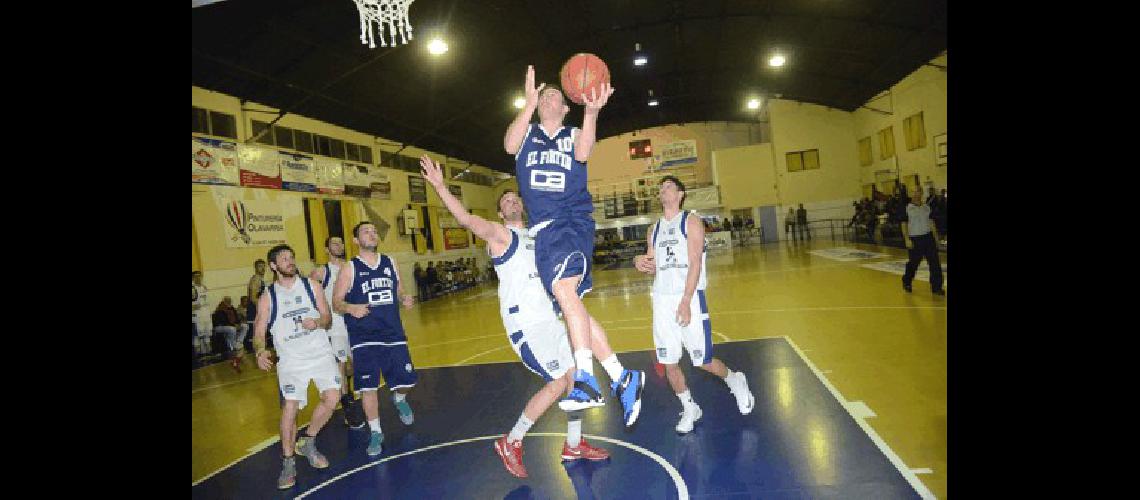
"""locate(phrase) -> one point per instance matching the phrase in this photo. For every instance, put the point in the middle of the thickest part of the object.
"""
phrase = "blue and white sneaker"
(405, 411)
(374, 441)
(629, 390)
(585, 394)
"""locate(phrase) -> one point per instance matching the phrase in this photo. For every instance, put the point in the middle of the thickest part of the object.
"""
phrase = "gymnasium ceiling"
(706, 58)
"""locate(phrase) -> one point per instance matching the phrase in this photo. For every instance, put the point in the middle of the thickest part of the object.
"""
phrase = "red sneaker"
(584, 450)
(511, 453)
(236, 364)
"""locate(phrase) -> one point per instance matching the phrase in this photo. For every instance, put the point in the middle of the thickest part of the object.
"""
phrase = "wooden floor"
(875, 343)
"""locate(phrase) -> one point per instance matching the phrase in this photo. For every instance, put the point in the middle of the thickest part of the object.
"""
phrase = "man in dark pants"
(921, 238)
(801, 222)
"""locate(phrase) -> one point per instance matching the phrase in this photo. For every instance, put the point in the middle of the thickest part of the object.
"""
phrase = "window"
(303, 141)
(865, 157)
(200, 119)
(351, 152)
(336, 148)
(915, 132)
(258, 127)
(366, 154)
(886, 143)
(803, 160)
(409, 164)
(323, 145)
(284, 137)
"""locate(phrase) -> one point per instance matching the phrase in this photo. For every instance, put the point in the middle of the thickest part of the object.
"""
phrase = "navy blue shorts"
(565, 248)
(394, 362)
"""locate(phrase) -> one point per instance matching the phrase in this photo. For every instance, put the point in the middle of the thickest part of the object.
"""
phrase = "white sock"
(520, 428)
(728, 374)
(686, 399)
(398, 396)
(374, 424)
(584, 358)
(613, 367)
(574, 432)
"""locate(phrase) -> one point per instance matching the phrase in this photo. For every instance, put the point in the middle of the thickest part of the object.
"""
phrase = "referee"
(921, 242)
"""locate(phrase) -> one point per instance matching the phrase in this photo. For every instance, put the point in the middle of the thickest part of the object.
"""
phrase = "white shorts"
(293, 377)
(338, 336)
(544, 348)
(669, 337)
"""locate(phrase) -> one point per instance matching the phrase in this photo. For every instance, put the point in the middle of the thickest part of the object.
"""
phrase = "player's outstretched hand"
(684, 313)
(263, 360)
(431, 171)
(529, 88)
(594, 102)
(357, 310)
(309, 324)
(645, 264)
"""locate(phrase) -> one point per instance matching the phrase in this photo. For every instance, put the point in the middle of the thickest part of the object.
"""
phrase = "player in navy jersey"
(534, 331)
(366, 294)
(550, 164)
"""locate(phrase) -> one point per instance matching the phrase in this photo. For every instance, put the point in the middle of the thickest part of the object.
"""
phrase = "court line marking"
(253, 450)
(910, 477)
(232, 382)
(678, 482)
(421, 346)
(923, 471)
(482, 353)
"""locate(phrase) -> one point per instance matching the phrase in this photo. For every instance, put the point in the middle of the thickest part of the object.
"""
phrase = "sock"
(686, 399)
(374, 424)
(584, 358)
(520, 428)
(613, 367)
(397, 397)
(728, 374)
(574, 429)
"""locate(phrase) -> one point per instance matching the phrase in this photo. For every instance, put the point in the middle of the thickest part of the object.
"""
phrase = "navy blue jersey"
(377, 288)
(551, 182)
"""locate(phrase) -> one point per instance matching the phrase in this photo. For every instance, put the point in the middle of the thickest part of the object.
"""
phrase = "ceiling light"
(640, 61)
(437, 46)
(776, 61)
(639, 57)
(653, 102)
(753, 103)
(520, 102)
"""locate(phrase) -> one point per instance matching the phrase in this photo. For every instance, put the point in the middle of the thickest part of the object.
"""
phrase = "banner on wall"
(455, 237)
(259, 166)
(356, 180)
(329, 174)
(678, 153)
(249, 223)
(379, 184)
(213, 161)
(417, 189)
(297, 172)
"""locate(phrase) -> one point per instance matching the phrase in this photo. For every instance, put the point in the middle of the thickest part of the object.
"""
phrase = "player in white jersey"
(535, 333)
(296, 311)
(326, 275)
(205, 322)
(676, 256)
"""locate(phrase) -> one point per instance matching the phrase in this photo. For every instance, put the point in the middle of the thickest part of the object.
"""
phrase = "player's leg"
(396, 366)
(930, 249)
(627, 385)
(366, 380)
(292, 387)
(327, 379)
(669, 348)
(697, 337)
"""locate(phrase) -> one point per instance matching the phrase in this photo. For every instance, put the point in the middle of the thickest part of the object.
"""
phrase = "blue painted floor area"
(798, 442)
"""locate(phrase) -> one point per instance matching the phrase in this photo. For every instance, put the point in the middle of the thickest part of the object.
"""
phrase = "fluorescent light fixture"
(437, 46)
(640, 60)
(653, 102)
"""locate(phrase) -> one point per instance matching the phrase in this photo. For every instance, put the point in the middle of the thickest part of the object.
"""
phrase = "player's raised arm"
(488, 231)
(516, 132)
(588, 135)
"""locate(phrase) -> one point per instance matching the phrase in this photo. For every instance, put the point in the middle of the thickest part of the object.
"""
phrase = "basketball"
(581, 73)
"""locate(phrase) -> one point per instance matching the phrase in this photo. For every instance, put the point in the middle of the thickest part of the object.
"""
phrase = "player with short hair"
(366, 293)
(326, 275)
(680, 311)
(295, 310)
(550, 164)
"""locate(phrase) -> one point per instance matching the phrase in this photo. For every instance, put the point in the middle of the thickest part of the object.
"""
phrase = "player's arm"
(696, 243)
(934, 231)
(407, 300)
(325, 320)
(906, 234)
(317, 275)
(646, 263)
(254, 287)
(484, 229)
(584, 143)
(260, 326)
(516, 132)
(343, 282)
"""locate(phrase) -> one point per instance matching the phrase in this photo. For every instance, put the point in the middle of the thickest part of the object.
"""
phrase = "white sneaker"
(688, 418)
(739, 387)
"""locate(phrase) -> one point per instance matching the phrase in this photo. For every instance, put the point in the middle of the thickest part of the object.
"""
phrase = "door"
(768, 223)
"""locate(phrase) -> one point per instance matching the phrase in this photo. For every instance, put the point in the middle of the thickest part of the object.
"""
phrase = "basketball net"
(390, 15)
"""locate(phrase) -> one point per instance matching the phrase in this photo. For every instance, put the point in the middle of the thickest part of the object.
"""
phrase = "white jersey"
(332, 271)
(288, 307)
(522, 299)
(671, 254)
(203, 312)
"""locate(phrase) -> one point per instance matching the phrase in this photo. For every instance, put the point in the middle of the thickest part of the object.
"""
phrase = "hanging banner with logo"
(455, 237)
(678, 153)
(249, 223)
(329, 174)
(297, 172)
(357, 181)
(259, 166)
(379, 185)
(213, 161)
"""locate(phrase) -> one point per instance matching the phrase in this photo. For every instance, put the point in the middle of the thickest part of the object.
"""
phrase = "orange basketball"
(581, 73)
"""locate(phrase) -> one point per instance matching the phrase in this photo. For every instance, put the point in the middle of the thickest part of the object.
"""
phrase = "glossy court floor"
(848, 370)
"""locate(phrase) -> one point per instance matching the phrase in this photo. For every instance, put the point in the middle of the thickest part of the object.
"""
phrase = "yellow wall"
(797, 127)
(745, 176)
(923, 90)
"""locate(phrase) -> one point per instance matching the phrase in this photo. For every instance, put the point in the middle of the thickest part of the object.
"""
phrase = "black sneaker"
(353, 414)
(907, 288)
(938, 292)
